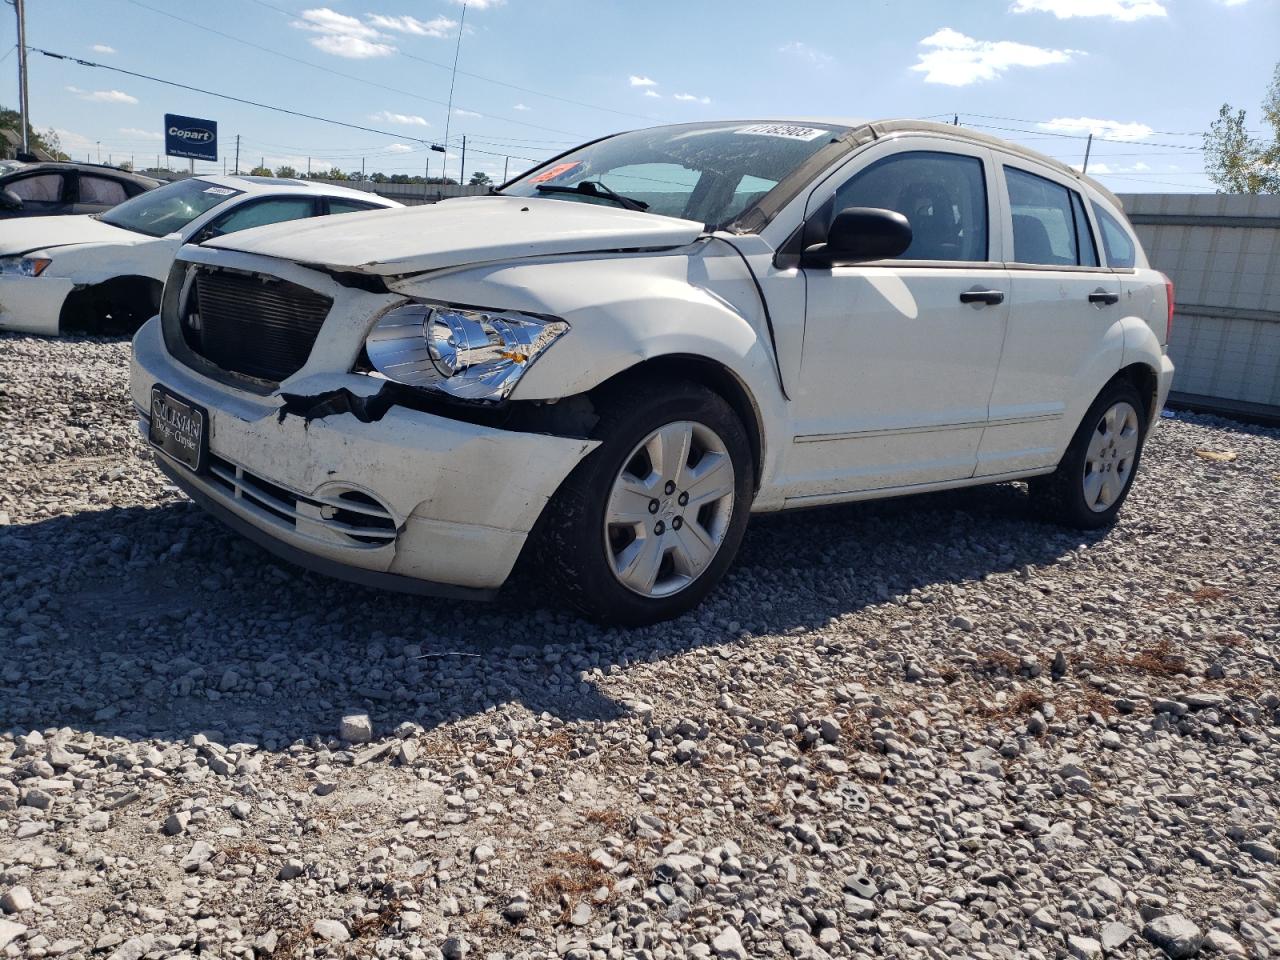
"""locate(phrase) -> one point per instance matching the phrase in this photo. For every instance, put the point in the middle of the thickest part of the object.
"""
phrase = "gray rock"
(10, 931)
(333, 931)
(455, 948)
(1084, 948)
(16, 899)
(728, 943)
(176, 822)
(199, 854)
(355, 728)
(1174, 934)
(1115, 935)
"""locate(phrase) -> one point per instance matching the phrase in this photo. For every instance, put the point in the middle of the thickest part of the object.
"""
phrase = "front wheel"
(648, 524)
(1097, 471)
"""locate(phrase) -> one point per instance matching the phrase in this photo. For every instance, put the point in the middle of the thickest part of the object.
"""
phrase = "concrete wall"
(1223, 254)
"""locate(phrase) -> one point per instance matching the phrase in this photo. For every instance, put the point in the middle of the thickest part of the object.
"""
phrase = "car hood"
(466, 230)
(26, 234)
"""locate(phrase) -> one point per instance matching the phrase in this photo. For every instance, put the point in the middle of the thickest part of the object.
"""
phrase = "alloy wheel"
(669, 509)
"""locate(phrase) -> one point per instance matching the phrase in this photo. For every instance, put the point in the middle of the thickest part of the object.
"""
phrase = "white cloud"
(521, 107)
(459, 112)
(690, 98)
(102, 48)
(806, 52)
(1103, 169)
(642, 81)
(399, 148)
(1123, 10)
(103, 96)
(953, 59)
(653, 93)
(1111, 129)
(1233, 3)
(405, 119)
(343, 36)
(436, 27)
(138, 134)
(482, 4)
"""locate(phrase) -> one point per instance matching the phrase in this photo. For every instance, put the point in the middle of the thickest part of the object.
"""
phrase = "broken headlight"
(468, 354)
(23, 266)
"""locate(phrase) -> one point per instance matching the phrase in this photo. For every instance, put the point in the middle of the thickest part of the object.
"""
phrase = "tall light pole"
(22, 73)
(453, 79)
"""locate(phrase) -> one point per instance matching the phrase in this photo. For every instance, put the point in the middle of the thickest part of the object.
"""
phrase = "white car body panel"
(464, 230)
(85, 251)
(865, 381)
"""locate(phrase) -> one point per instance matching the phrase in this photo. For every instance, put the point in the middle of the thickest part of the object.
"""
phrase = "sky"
(1146, 77)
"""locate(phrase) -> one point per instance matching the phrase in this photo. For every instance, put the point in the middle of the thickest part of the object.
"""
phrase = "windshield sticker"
(220, 191)
(554, 173)
(787, 131)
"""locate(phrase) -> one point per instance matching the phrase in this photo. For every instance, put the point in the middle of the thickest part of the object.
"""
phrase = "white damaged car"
(625, 352)
(104, 272)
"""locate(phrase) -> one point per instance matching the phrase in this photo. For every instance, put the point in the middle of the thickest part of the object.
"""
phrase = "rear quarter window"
(1116, 241)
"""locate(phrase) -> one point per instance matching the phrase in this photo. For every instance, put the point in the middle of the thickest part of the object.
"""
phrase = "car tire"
(1097, 471)
(600, 535)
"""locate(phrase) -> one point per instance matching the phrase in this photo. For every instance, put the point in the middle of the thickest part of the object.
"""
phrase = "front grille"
(255, 326)
(345, 517)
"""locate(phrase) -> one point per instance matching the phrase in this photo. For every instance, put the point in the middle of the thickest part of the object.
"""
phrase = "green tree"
(480, 179)
(1239, 162)
(287, 171)
(261, 172)
(47, 141)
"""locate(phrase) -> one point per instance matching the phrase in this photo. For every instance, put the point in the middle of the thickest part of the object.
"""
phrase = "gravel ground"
(929, 728)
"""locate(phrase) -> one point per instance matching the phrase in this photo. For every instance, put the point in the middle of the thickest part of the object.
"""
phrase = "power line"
(323, 68)
(227, 96)
(494, 80)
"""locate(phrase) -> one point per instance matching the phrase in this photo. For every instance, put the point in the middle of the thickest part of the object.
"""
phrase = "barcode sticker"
(787, 131)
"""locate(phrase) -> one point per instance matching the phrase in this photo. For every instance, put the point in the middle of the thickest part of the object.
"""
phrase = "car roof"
(867, 130)
(23, 166)
(263, 185)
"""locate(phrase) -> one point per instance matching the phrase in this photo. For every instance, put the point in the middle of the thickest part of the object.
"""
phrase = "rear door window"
(101, 190)
(1115, 240)
(42, 188)
(942, 195)
(1044, 223)
(1084, 235)
(342, 205)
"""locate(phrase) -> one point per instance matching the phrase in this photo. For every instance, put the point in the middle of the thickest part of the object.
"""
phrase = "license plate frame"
(179, 428)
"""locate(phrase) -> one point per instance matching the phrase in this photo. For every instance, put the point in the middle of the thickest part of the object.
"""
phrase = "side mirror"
(859, 235)
(10, 200)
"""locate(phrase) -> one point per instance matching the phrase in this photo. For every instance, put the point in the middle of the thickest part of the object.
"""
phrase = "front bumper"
(460, 498)
(33, 304)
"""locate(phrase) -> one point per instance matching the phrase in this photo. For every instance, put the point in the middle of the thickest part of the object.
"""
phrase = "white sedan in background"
(105, 272)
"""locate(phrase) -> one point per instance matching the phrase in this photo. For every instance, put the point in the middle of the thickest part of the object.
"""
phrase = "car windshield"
(169, 208)
(709, 172)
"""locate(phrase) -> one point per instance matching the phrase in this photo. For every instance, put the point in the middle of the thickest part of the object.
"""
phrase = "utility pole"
(505, 163)
(308, 168)
(362, 169)
(1087, 147)
(237, 153)
(22, 73)
(956, 122)
(98, 143)
(453, 79)
(462, 174)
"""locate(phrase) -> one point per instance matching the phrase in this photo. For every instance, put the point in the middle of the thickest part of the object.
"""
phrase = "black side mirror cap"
(10, 200)
(860, 235)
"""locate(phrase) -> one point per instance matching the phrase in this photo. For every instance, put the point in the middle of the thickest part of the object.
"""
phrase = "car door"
(43, 194)
(98, 194)
(899, 356)
(1062, 312)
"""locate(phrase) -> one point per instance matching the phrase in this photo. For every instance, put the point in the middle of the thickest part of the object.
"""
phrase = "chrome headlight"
(468, 354)
(23, 266)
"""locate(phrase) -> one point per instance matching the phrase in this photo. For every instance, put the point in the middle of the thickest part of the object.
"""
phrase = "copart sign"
(190, 137)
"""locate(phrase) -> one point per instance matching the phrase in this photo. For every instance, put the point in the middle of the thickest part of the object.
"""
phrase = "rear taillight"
(1168, 295)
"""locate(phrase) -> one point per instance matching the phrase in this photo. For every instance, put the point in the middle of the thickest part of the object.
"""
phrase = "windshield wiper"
(594, 188)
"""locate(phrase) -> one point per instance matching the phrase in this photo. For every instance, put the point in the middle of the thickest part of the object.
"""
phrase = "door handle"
(1102, 297)
(989, 297)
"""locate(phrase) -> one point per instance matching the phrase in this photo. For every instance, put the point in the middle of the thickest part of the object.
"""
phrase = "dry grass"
(993, 661)
(1022, 704)
(1205, 594)
(611, 820)
(1159, 660)
(571, 875)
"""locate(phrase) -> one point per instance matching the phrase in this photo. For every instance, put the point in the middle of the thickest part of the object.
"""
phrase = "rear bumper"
(33, 304)
(460, 499)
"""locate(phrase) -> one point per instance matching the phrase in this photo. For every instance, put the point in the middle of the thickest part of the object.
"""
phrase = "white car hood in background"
(462, 231)
(24, 234)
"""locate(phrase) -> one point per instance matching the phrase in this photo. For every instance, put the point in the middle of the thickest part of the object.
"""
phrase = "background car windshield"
(711, 173)
(166, 209)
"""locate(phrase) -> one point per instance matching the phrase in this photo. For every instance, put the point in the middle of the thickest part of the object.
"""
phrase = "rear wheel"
(648, 524)
(1097, 471)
